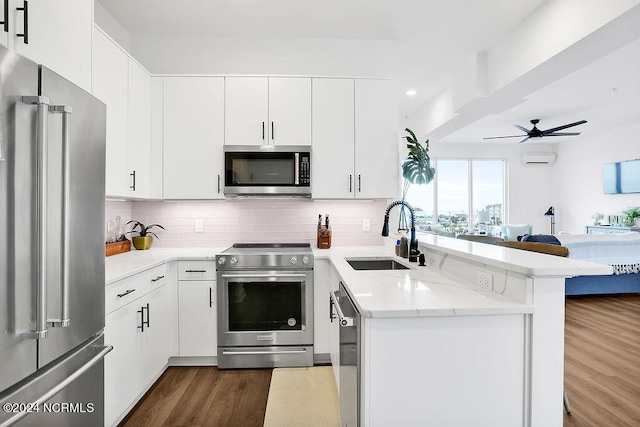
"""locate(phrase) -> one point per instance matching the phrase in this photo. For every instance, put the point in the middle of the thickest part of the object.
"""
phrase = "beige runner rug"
(303, 397)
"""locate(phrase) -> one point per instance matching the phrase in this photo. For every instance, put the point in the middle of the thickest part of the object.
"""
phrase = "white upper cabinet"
(333, 138)
(58, 35)
(377, 164)
(246, 108)
(125, 87)
(193, 137)
(355, 139)
(139, 131)
(290, 111)
(110, 85)
(267, 110)
(155, 156)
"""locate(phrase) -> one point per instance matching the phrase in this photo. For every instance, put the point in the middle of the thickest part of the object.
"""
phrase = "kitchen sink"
(376, 264)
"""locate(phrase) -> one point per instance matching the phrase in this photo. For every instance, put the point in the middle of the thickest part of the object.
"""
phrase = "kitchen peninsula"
(436, 347)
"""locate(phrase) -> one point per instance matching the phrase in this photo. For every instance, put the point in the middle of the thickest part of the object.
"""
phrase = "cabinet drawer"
(196, 270)
(126, 290)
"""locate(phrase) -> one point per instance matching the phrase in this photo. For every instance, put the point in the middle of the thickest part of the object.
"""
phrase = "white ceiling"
(430, 38)
(606, 93)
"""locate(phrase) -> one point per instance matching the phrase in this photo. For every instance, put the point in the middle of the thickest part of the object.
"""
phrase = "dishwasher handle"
(344, 321)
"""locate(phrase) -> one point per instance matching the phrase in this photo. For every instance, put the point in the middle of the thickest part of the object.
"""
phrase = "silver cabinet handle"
(210, 297)
(350, 183)
(42, 144)
(25, 19)
(127, 292)
(272, 138)
(195, 271)
(263, 131)
(359, 183)
(64, 319)
(344, 321)
(5, 23)
(133, 181)
(218, 183)
(157, 278)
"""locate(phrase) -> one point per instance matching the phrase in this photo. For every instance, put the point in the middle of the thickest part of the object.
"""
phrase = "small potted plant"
(632, 216)
(597, 217)
(145, 237)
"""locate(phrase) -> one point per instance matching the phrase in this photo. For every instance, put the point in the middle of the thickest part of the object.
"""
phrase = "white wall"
(112, 27)
(275, 56)
(577, 176)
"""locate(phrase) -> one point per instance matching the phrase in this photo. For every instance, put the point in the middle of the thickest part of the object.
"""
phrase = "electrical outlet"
(366, 224)
(199, 227)
(485, 280)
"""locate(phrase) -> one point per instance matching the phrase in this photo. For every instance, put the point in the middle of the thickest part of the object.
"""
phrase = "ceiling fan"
(537, 133)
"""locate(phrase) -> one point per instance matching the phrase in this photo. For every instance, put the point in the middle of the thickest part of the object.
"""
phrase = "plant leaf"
(416, 168)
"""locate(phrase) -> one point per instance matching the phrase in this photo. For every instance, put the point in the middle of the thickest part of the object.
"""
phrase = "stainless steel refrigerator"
(52, 172)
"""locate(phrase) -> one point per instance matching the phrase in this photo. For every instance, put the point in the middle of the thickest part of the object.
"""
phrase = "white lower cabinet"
(198, 330)
(140, 324)
(197, 309)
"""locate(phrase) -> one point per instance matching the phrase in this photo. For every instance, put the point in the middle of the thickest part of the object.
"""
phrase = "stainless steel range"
(265, 305)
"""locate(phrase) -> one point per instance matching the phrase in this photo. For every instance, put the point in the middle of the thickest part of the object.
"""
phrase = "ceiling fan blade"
(552, 130)
(524, 140)
(525, 130)
(562, 134)
(500, 137)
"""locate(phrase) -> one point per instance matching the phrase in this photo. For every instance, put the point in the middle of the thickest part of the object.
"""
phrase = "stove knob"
(294, 260)
(222, 260)
(305, 260)
(233, 260)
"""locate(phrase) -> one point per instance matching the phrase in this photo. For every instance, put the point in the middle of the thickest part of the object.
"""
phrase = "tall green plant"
(416, 168)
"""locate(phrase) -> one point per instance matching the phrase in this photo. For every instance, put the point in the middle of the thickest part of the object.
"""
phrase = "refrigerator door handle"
(64, 319)
(42, 103)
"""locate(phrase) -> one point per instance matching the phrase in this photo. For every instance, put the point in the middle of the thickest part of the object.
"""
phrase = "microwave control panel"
(305, 169)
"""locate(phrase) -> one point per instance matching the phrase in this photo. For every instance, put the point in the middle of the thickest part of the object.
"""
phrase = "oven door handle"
(262, 275)
(250, 352)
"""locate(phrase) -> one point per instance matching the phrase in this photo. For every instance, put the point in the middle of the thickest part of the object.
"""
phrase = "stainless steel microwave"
(267, 170)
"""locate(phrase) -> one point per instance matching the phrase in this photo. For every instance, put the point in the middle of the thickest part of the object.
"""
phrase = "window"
(467, 196)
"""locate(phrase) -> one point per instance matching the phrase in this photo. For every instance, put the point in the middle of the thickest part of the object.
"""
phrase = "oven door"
(265, 308)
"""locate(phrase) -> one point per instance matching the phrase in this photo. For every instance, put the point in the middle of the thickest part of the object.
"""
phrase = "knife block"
(324, 238)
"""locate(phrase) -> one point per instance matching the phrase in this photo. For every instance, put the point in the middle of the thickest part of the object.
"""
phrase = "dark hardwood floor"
(602, 377)
(602, 360)
(204, 396)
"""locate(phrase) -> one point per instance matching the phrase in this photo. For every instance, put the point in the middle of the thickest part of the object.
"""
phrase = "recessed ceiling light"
(411, 92)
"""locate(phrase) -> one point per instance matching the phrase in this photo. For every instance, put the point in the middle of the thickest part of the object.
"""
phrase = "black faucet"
(413, 244)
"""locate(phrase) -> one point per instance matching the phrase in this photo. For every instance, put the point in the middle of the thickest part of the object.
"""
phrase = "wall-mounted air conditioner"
(538, 158)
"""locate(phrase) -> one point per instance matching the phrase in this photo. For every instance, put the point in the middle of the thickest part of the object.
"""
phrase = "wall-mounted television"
(621, 177)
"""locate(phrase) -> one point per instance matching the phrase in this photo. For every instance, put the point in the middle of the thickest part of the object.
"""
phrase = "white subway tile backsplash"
(251, 220)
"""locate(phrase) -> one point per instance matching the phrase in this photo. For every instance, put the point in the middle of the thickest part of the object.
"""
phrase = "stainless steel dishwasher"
(349, 320)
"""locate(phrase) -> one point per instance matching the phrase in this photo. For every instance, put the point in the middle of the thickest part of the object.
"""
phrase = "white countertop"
(523, 262)
(121, 266)
(416, 292)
